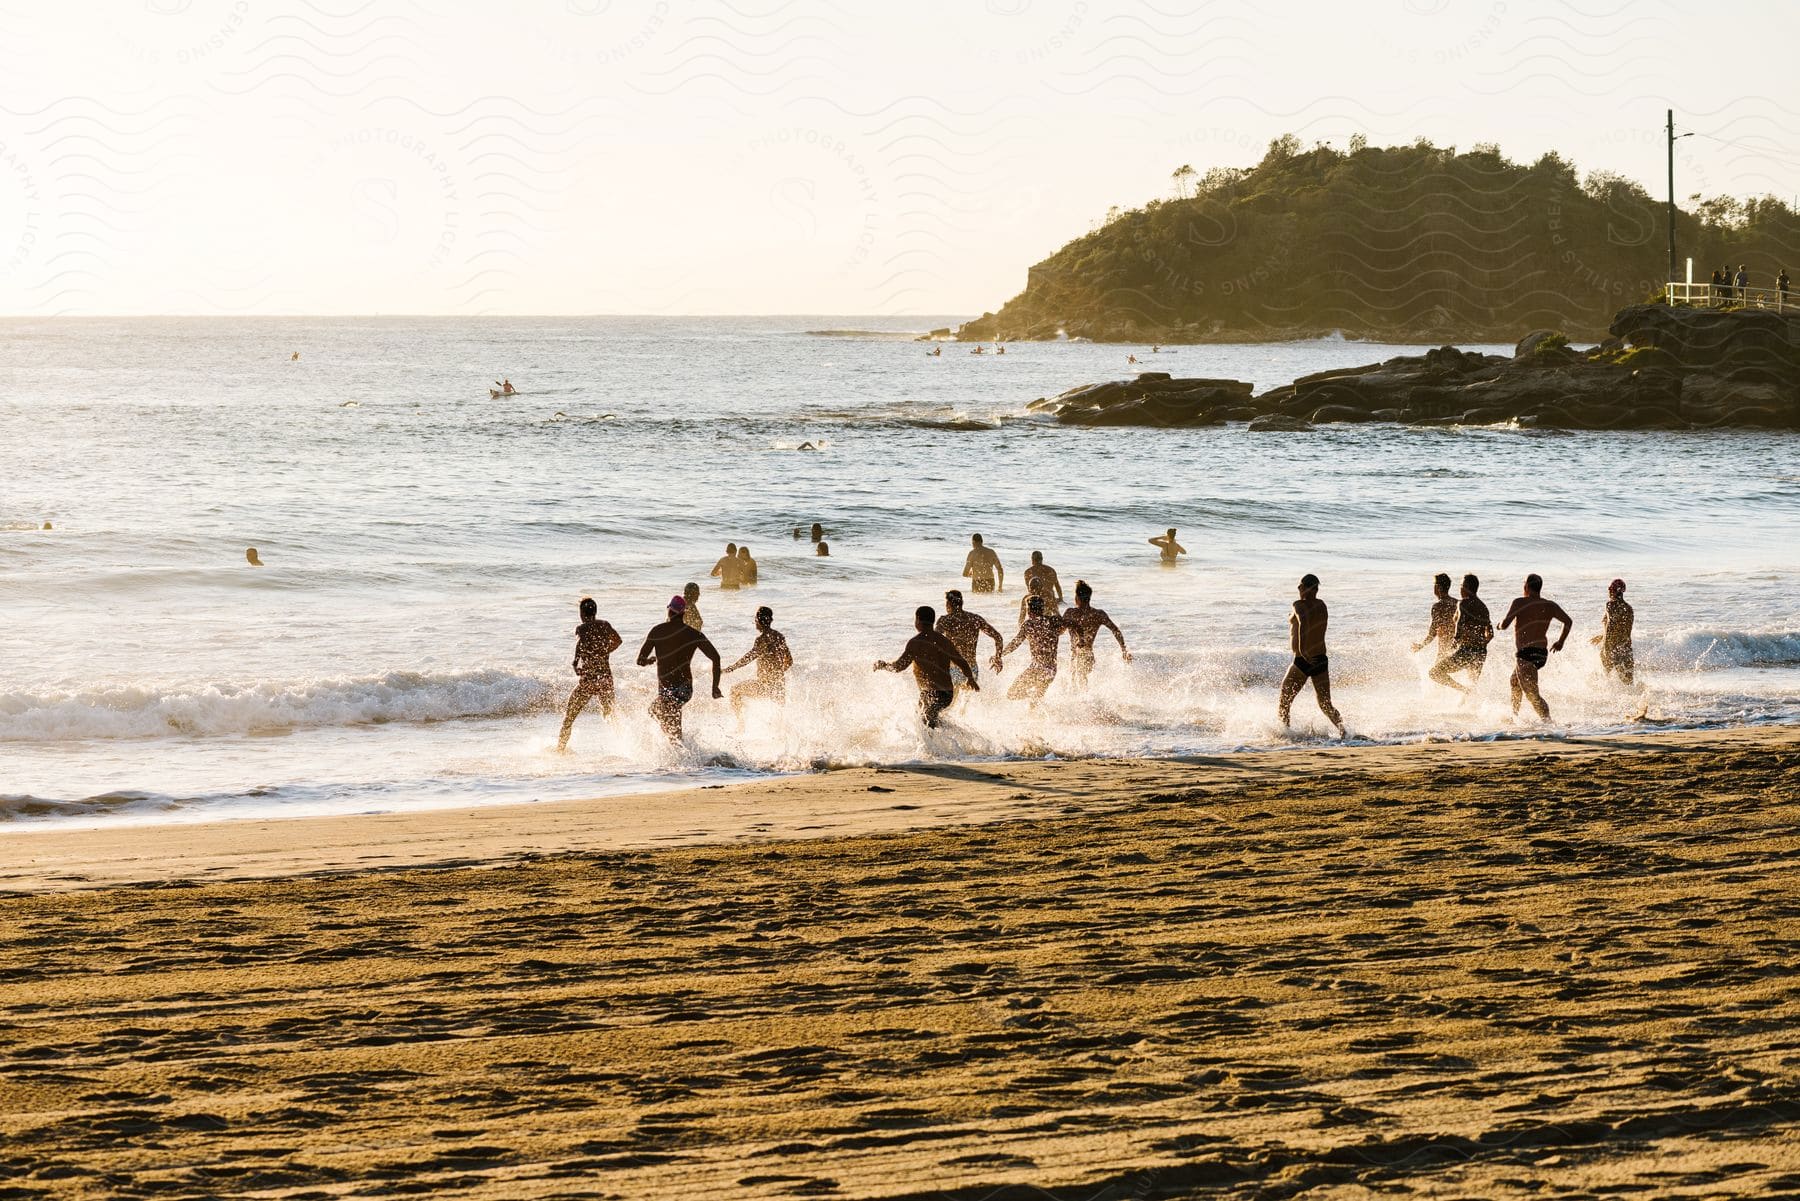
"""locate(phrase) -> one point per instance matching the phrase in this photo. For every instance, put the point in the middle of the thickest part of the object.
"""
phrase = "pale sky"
(762, 156)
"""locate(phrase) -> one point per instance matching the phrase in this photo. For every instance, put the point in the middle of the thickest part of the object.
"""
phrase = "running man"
(931, 656)
(671, 645)
(772, 658)
(982, 568)
(964, 630)
(1169, 547)
(1469, 638)
(595, 641)
(1443, 618)
(1614, 638)
(728, 570)
(1039, 570)
(1530, 617)
(1040, 632)
(1306, 638)
(1085, 623)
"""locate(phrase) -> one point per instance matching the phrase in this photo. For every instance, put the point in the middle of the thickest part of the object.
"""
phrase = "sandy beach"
(1548, 968)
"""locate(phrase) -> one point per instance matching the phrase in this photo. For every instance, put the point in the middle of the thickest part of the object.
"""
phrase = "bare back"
(675, 643)
(930, 656)
(1530, 617)
(1306, 628)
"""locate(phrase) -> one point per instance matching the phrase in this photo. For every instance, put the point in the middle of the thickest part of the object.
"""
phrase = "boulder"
(1152, 399)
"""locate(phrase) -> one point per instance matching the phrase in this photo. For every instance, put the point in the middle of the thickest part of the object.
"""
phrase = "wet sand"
(1546, 968)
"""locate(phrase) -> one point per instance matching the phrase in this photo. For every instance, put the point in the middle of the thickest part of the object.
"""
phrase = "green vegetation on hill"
(1413, 242)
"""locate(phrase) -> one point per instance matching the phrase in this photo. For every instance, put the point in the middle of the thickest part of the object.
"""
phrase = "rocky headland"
(1662, 367)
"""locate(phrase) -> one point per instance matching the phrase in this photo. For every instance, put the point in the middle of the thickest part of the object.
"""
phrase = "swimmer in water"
(931, 656)
(294, 358)
(250, 555)
(1614, 638)
(1530, 616)
(595, 641)
(964, 630)
(670, 645)
(727, 570)
(818, 532)
(1168, 546)
(982, 568)
(1306, 638)
(746, 568)
(772, 658)
(1472, 628)
(1040, 632)
(999, 350)
(1085, 623)
(822, 549)
(690, 593)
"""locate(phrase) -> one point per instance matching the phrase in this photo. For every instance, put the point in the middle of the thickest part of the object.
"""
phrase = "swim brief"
(1311, 667)
(1537, 656)
(676, 694)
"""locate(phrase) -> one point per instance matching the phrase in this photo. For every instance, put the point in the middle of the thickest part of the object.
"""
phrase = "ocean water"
(407, 643)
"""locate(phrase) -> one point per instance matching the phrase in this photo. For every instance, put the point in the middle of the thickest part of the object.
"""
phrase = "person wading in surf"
(1530, 616)
(1040, 632)
(1471, 631)
(671, 645)
(964, 630)
(982, 568)
(931, 656)
(595, 641)
(1614, 638)
(1306, 638)
(772, 658)
(1085, 623)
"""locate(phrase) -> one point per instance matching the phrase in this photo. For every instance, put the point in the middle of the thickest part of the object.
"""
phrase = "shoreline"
(837, 803)
(1524, 969)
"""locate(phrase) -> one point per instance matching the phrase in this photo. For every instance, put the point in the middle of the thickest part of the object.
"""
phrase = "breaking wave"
(212, 710)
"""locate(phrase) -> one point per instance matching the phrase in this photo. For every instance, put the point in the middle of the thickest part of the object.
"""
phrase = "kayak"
(496, 393)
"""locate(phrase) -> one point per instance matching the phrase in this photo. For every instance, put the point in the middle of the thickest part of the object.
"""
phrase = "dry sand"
(1544, 968)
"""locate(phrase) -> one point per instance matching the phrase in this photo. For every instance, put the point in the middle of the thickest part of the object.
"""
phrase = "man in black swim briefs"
(1530, 617)
(671, 645)
(931, 656)
(1306, 638)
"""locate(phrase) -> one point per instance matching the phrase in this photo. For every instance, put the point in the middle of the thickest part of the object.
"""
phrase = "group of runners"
(943, 653)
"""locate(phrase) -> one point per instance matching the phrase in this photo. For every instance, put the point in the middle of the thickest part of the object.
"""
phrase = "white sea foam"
(213, 709)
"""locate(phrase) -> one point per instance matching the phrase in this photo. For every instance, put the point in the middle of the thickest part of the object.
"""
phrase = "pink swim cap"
(677, 603)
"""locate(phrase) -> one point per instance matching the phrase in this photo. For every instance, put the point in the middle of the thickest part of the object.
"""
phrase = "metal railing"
(1718, 296)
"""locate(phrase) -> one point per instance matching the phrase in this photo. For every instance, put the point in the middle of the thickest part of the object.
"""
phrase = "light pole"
(1672, 137)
